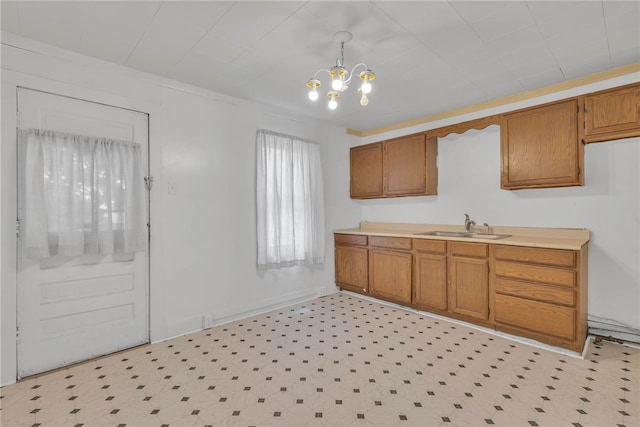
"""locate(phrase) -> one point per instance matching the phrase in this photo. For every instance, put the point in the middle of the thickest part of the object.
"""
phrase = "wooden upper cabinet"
(409, 167)
(540, 147)
(611, 114)
(366, 171)
(404, 166)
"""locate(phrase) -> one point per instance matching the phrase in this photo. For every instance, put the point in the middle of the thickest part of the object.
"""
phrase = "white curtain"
(290, 201)
(79, 194)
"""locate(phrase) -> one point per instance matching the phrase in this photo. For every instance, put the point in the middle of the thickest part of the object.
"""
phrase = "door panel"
(75, 308)
(390, 275)
(431, 281)
(469, 287)
(352, 268)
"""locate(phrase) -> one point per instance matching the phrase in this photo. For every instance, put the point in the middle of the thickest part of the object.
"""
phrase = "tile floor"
(336, 361)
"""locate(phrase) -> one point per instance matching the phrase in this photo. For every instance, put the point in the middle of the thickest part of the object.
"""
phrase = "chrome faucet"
(468, 223)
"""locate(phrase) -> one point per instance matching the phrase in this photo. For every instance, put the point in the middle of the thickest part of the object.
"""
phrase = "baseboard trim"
(264, 306)
(493, 332)
(256, 308)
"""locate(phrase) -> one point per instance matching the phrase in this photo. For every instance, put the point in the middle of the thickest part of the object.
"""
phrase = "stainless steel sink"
(489, 236)
(463, 234)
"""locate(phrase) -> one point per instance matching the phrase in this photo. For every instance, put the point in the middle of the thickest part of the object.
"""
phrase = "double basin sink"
(463, 234)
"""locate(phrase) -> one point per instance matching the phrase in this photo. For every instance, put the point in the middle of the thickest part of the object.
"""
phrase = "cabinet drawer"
(479, 250)
(559, 257)
(536, 273)
(535, 316)
(391, 242)
(433, 246)
(536, 291)
(350, 239)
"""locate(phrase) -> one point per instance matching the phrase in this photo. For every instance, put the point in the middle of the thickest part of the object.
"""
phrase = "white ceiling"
(428, 56)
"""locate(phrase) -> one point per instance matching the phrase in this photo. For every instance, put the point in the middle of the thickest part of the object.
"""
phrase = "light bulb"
(364, 101)
(313, 94)
(336, 84)
(333, 96)
(366, 77)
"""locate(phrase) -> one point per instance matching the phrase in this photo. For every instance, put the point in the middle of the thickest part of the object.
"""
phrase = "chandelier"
(341, 77)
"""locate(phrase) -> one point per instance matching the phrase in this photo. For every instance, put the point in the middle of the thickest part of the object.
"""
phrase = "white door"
(75, 308)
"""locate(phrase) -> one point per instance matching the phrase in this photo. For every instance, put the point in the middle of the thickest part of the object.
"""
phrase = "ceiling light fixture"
(341, 78)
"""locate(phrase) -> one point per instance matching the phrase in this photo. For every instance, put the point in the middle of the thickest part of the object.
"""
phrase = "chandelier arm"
(351, 74)
(315, 75)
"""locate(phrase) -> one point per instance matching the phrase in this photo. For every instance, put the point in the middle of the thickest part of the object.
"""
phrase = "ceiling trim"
(570, 84)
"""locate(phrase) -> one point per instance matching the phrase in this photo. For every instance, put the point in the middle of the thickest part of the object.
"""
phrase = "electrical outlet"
(207, 321)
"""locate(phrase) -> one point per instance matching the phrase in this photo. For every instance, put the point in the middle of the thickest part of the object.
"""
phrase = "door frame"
(148, 178)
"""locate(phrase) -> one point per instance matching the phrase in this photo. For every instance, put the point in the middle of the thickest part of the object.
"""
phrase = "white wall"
(203, 252)
(608, 205)
(209, 249)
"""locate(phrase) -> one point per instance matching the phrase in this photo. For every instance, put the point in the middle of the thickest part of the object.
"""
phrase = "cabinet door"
(390, 275)
(352, 268)
(540, 147)
(430, 283)
(469, 287)
(405, 171)
(366, 171)
(612, 114)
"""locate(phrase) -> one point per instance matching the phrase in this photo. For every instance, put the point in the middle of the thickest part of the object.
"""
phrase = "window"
(79, 194)
(290, 201)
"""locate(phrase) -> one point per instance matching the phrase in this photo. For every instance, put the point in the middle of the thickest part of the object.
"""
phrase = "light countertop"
(555, 238)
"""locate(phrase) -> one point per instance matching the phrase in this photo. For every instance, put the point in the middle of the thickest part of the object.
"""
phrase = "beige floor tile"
(355, 362)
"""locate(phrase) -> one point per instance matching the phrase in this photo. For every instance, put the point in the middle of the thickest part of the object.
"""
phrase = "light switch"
(171, 188)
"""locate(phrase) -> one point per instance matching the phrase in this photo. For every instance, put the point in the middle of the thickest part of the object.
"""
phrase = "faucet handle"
(486, 228)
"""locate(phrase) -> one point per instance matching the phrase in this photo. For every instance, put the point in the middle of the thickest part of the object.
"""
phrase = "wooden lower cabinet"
(390, 268)
(469, 280)
(390, 275)
(352, 262)
(537, 293)
(541, 294)
(430, 274)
